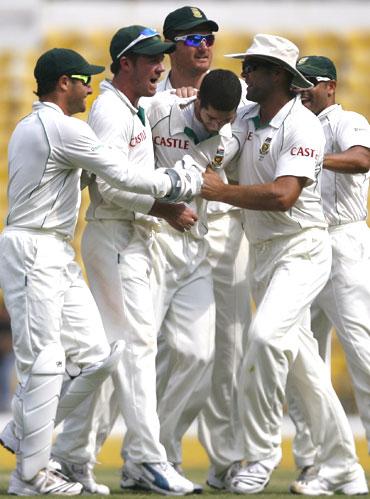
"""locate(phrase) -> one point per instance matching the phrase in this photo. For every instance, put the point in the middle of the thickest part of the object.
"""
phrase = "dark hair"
(116, 66)
(220, 89)
(45, 87)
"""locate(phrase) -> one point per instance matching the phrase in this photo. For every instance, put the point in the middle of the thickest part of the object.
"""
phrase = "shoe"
(46, 482)
(83, 473)
(8, 439)
(159, 477)
(223, 480)
(307, 473)
(197, 487)
(318, 486)
(250, 479)
(128, 484)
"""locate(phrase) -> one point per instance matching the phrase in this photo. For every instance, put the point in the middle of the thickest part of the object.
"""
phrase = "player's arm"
(356, 159)
(279, 195)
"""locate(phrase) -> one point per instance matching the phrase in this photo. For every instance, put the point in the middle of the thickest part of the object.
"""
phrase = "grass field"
(195, 466)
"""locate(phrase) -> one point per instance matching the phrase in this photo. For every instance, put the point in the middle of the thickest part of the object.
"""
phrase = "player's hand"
(186, 180)
(180, 216)
(185, 92)
(213, 185)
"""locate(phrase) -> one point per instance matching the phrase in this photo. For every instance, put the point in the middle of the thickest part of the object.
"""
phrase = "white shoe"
(46, 482)
(222, 481)
(128, 484)
(8, 439)
(306, 473)
(250, 479)
(197, 488)
(159, 477)
(83, 473)
(318, 486)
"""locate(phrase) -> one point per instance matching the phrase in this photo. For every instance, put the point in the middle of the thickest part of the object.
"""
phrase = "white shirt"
(47, 151)
(344, 195)
(115, 121)
(172, 121)
(213, 207)
(291, 144)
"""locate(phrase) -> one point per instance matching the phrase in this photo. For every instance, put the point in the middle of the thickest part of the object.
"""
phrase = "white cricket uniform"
(290, 258)
(182, 276)
(50, 305)
(344, 301)
(218, 423)
(116, 252)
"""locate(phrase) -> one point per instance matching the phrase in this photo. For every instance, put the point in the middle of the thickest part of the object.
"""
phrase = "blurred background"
(337, 29)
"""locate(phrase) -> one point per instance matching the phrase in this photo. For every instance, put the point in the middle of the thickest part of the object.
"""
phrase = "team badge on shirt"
(218, 158)
(264, 149)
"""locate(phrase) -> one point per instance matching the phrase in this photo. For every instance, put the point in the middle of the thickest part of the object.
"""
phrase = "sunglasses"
(196, 40)
(315, 80)
(249, 67)
(146, 33)
(85, 79)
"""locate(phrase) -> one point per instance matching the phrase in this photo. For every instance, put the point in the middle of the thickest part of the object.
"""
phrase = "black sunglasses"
(250, 66)
(315, 80)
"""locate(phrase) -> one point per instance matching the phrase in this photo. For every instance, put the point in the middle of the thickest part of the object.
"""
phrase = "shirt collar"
(37, 105)
(107, 86)
(330, 109)
(253, 112)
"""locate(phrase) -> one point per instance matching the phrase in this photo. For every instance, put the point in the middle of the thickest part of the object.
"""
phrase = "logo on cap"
(302, 61)
(196, 12)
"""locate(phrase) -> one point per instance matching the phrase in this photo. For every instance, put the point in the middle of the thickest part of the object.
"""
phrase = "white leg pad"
(34, 406)
(87, 382)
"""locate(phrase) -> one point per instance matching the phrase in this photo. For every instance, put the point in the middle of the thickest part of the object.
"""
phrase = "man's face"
(191, 59)
(319, 97)
(258, 77)
(77, 92)
(212, 119)
(144, 74)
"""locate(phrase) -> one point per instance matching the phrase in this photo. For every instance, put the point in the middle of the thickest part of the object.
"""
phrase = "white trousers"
(344, 303)
(185, 317)
(116, 254)
(219, 426)
(48, 301)
(287, 274)
(51, 310)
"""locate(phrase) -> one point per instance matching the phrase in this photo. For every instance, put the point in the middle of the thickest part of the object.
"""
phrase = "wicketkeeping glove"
(186, 179)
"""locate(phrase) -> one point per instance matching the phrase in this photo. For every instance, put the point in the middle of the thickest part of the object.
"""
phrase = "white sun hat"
(278, 50)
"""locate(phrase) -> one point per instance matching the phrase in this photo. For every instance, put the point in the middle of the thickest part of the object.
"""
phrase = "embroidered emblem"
(218, 159)
(196, 12)
(264, 149)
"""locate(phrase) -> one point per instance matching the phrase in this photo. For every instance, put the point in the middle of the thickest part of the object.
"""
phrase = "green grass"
(278, 487)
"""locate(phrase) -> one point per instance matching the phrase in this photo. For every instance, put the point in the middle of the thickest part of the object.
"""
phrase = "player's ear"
(331, 86)
(63, 82)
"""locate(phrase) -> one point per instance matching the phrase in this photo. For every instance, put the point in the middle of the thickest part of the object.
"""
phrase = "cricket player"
(54, 319)
(207, 130)
(218, 423)
(290, 260)
(344, 301)
(116, 251)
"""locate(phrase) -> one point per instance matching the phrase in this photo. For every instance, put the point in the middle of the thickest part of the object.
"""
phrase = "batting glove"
(186, 180)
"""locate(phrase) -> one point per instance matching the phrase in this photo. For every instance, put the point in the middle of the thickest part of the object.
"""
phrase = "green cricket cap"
(58, 61)
(140, 40)
(186, 18)
(316, 66)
